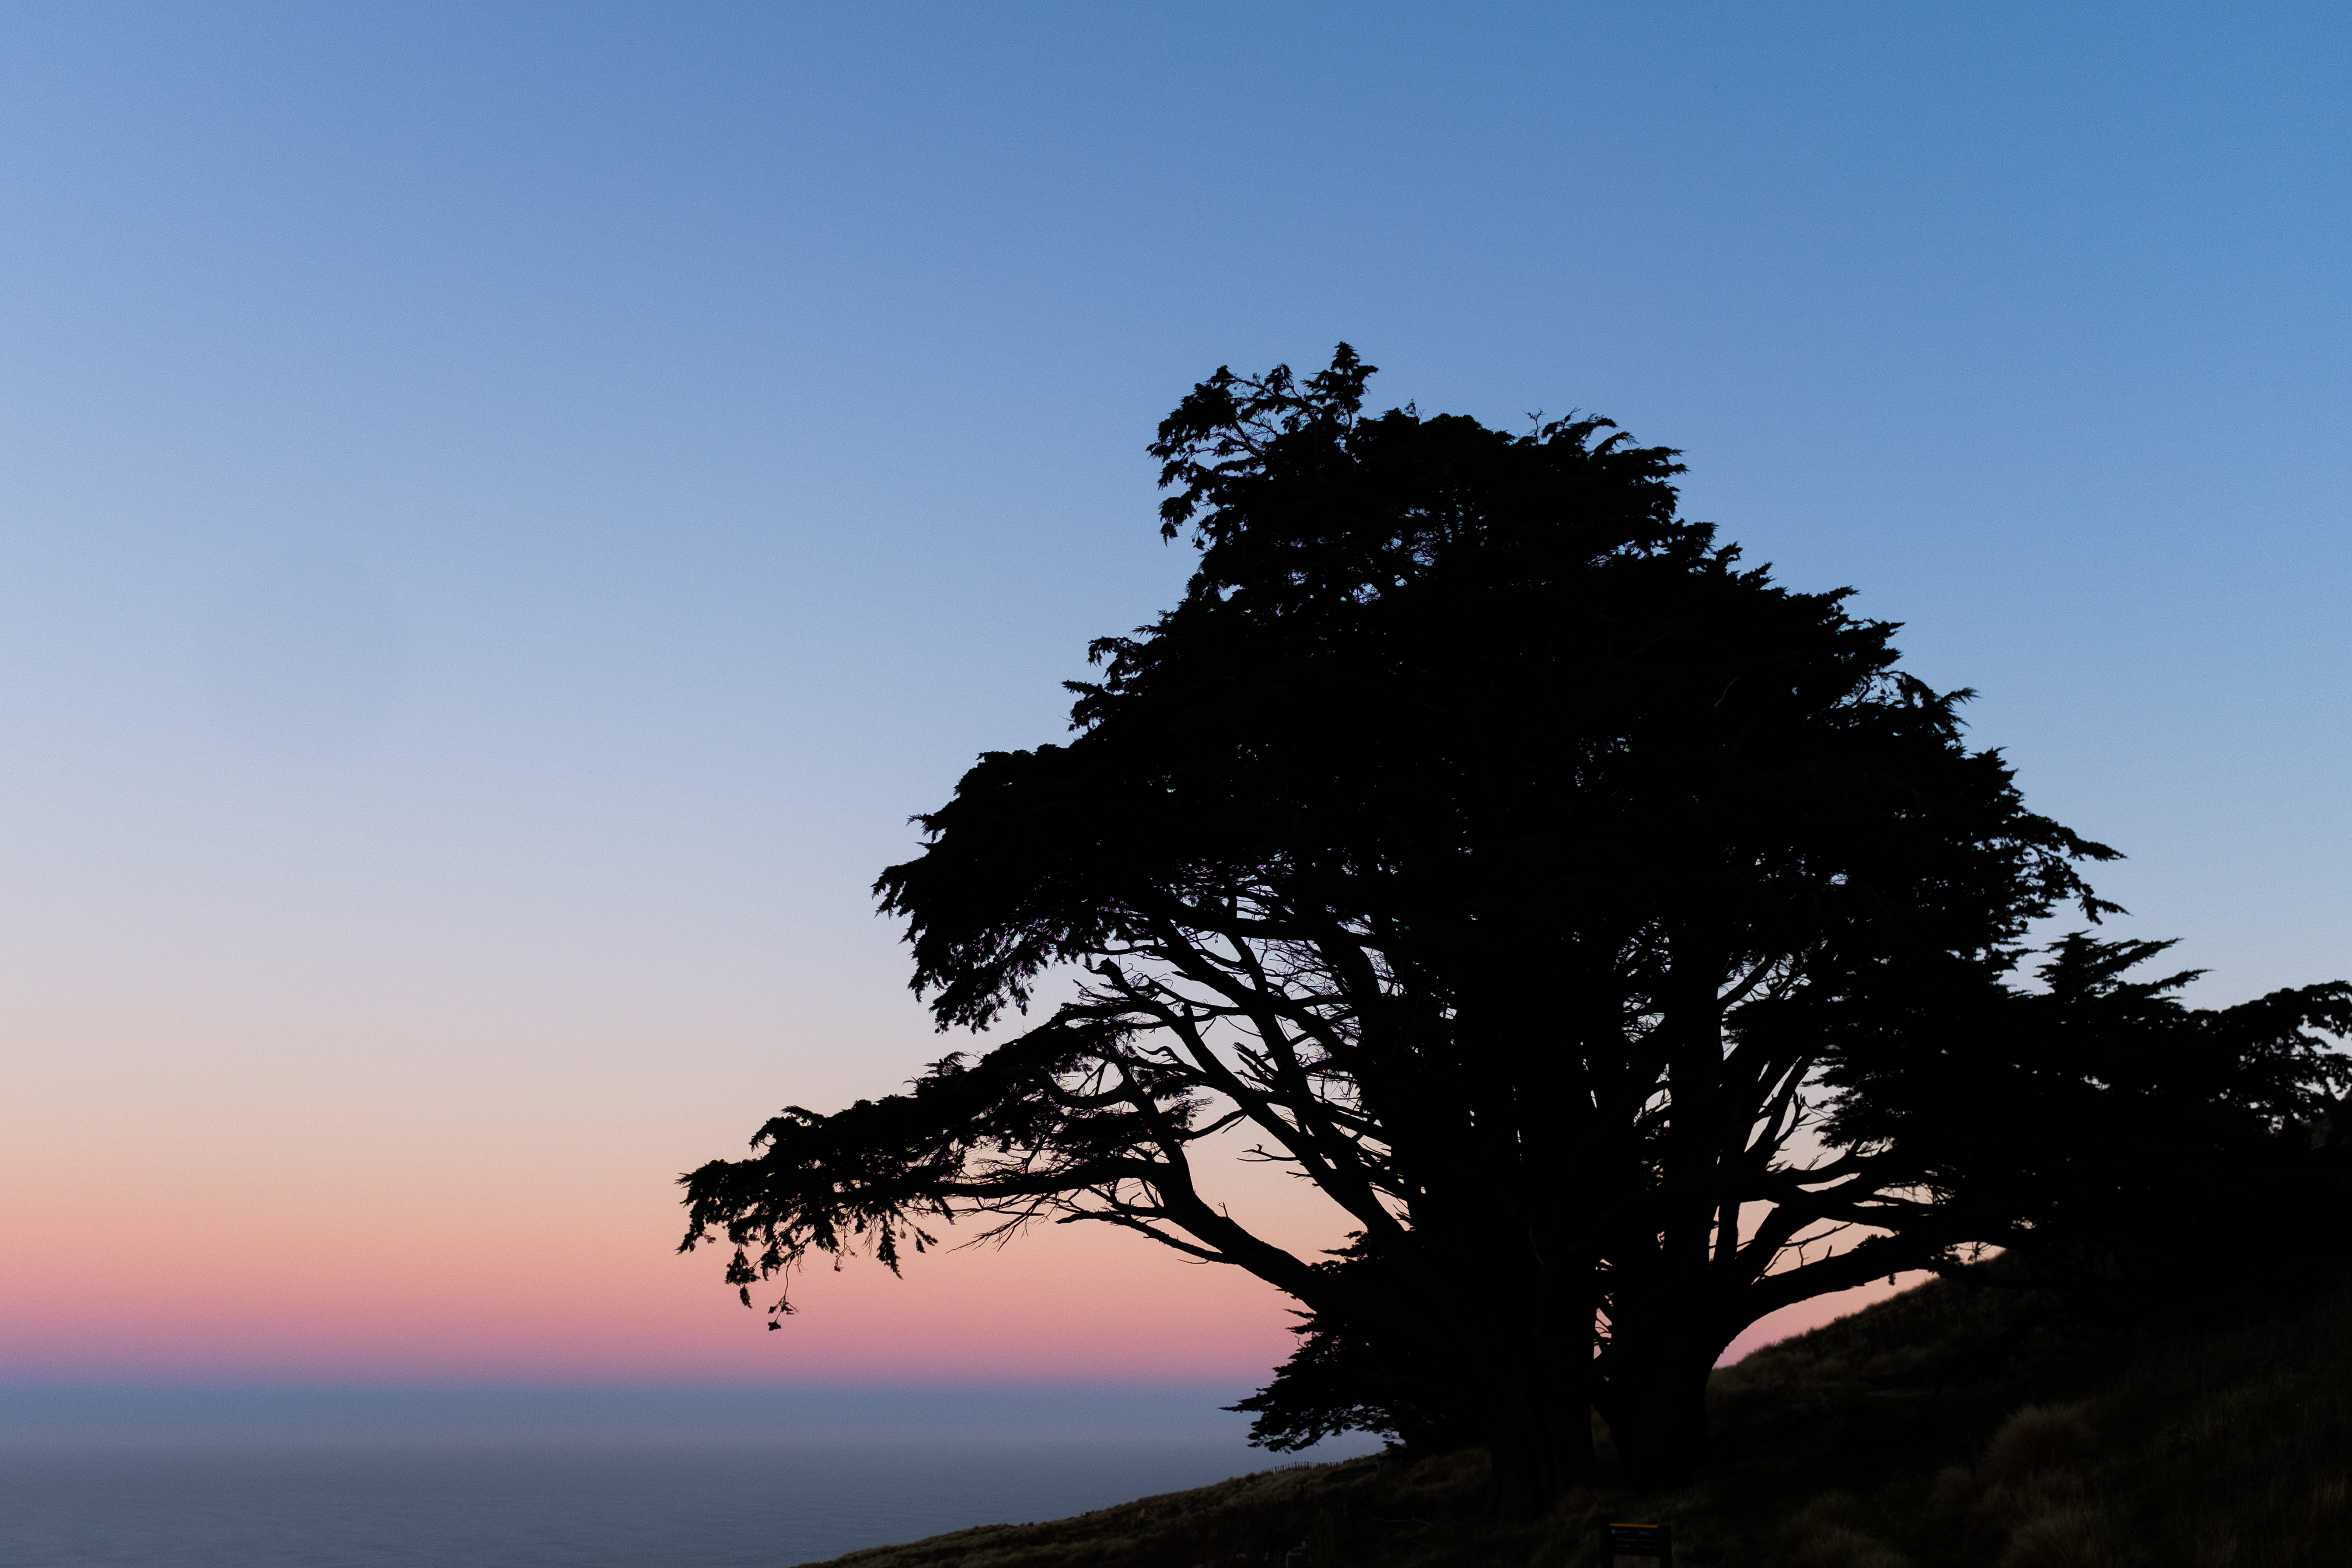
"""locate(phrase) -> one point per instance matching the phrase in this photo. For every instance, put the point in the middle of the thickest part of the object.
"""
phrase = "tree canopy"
(1493, 849)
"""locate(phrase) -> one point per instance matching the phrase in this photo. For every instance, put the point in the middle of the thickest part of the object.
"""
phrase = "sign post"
(1645, 1542)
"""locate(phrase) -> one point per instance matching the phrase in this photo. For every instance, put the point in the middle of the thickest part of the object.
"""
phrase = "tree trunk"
(1539, 1428)
(1654, 1400)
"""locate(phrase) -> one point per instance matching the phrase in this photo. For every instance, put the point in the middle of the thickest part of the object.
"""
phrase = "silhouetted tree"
(1482, 841)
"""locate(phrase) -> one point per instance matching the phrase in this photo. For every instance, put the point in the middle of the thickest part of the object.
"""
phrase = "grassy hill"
(1961, 1424)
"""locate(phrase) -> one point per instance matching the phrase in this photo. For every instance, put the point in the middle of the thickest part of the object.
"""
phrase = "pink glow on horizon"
(1054, 1304)
(187, 1226)
(379, 1212)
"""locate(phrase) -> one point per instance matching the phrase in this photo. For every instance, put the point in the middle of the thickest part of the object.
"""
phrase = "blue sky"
(505, 510)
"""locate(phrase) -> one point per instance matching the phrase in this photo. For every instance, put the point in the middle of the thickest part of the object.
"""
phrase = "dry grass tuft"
(1838, 1547)
(2216, 1549)
(2043, 1492)
(1954, 1493)
(2032, 1486)
(2037, 1441)
(1829, 1533)
(2069, 1537)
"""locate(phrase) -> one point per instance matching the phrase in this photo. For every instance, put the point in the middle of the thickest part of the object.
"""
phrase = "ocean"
(464, 1484)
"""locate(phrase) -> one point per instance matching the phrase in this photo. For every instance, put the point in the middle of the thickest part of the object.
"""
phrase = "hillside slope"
(1961, 1424)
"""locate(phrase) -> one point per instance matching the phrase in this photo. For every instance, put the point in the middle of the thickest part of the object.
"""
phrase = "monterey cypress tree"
(1498, 853)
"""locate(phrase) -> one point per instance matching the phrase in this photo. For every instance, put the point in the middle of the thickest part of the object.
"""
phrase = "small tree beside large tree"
(1489, 846)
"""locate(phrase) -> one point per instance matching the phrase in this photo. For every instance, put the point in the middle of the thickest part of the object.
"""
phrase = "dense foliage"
(1492, 849)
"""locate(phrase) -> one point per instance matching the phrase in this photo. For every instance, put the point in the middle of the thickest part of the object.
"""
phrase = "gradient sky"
(505, 510)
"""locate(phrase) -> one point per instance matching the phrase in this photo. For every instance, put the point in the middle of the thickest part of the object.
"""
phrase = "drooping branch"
(1013, 1133)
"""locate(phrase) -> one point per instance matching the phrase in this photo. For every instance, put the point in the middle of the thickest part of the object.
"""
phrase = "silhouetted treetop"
(1408, 634)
